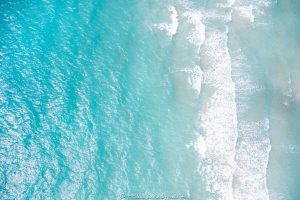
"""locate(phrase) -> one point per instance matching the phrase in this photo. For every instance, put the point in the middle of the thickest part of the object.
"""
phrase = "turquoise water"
(165, 99)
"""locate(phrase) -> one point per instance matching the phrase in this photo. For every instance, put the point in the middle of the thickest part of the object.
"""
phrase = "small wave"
(173, 26)
(195, 77)
(174, 18)
(197, 35)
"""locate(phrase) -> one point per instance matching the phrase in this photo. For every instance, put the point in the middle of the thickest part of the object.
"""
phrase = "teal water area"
(87, 104)
(114, 99)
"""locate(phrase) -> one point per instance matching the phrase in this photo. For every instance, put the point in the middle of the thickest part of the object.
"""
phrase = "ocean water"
(150, 99)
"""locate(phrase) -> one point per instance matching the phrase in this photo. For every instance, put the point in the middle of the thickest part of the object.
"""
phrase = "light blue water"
(106, 99)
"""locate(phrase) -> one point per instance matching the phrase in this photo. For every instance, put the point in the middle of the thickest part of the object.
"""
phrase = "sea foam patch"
(218, 120)
(197, 35)
(170, 28)
(245, 12)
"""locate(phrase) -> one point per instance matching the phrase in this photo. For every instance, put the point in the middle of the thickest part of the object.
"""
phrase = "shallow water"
(106, 99)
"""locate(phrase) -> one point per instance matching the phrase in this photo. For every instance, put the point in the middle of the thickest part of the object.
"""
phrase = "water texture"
(170, 99)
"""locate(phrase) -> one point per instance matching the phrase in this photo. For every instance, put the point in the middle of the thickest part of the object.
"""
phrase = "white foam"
(252, 158)
(197, 35)
(200, 146)
(231, 2)
(174, 18)
(219, 72)
(195, 79)
(233, 166)
(172, 27)
(225, 3)
(251, 11)
(218, 123)
(218, 120)
(245, 12)
(217, 145)
(230, 171)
